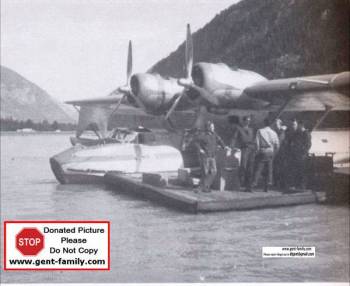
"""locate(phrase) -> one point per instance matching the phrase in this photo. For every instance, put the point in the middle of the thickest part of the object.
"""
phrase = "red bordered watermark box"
(57, 245)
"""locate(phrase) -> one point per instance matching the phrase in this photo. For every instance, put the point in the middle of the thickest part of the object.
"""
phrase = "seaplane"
(216, 91)
(90, 159)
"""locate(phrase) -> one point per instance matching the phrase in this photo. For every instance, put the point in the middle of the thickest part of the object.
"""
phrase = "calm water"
(151, 243)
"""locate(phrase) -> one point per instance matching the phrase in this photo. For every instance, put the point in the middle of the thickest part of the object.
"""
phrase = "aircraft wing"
(97, 112)
(126, 109)
(308, 83)
(312, 92)
(101, 100)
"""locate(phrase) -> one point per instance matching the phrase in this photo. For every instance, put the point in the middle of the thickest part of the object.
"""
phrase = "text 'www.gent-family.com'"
(289, 252)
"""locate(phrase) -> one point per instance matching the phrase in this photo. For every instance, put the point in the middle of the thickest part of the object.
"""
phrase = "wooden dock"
(187, 200)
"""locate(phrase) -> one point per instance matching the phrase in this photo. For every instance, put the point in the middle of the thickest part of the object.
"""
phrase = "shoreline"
(34, 132)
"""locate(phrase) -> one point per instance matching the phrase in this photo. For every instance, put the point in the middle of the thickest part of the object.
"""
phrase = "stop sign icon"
(29, 241)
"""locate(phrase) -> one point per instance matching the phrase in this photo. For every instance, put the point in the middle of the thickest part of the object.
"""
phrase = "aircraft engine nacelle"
(224, 84)
(155, 92)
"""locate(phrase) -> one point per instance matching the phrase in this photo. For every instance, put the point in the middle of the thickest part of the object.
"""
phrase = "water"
(151, 243)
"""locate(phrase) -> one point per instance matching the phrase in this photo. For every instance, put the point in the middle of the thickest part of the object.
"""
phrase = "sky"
(77, 49)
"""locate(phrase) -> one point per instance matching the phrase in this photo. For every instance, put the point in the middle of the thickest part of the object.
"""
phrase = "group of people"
(275, 153)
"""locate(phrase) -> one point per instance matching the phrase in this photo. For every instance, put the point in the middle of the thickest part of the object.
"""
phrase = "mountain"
(22, 100)
(277, 38)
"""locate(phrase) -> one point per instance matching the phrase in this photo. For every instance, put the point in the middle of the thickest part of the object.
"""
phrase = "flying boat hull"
(88, 164)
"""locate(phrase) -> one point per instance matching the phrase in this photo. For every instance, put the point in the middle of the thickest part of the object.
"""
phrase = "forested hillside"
(277, 38)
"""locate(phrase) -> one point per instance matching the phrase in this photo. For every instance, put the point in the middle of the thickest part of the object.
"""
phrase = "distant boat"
(25, 130)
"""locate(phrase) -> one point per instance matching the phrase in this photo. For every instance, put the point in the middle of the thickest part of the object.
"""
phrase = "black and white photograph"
(175, 141)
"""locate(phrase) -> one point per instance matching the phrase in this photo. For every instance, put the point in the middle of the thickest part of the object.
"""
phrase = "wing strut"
(328, 109)
(117, 106)
(76, 108)
(281, 109)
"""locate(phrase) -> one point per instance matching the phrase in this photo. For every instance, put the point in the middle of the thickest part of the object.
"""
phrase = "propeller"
(126, 89)
(189, 64)
(202, 91)
(188, 83)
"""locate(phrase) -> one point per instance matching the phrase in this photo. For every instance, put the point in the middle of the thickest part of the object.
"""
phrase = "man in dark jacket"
(298, 144)
(279, 159)
(207, 142)
(243, 138)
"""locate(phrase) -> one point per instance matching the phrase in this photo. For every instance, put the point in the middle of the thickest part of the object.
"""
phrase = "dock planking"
(187, 200)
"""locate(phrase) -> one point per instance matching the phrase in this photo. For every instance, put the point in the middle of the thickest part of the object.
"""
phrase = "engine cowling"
(155, 92)
(223, 84)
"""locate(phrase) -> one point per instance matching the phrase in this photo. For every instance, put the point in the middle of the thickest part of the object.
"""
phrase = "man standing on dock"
(298, 144)
(279, 161)
(207, 143)
(244, 139)
(267, 145)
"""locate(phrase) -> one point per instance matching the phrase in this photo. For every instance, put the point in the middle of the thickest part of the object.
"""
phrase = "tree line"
(10, 124)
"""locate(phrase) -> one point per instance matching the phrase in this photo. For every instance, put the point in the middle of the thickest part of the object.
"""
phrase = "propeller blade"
(189, 52)
(185, 82)
(114, 92)
(207, 96)
(201, 117)
(129, 64)
(189, 64)
(124, 89)
(172, 108)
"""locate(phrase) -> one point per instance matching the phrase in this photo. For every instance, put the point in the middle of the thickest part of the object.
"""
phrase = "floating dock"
(186, 199)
